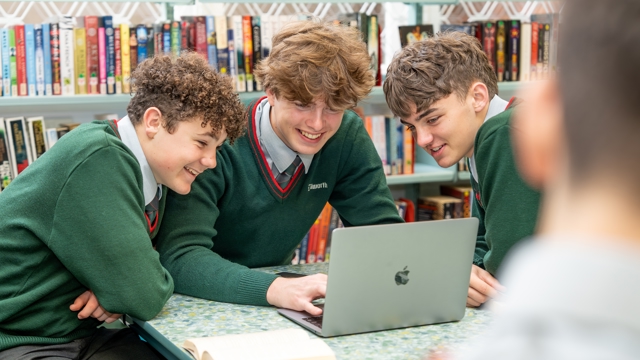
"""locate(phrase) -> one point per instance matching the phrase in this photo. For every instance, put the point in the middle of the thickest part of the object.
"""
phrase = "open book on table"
(288, 344)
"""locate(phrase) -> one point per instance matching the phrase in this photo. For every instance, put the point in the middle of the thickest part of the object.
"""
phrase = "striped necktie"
(151, 211)
(284, 177)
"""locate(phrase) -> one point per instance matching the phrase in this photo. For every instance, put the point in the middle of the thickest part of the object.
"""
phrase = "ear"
(152, 121)
(538, 134)
(479, 96)
(271, 97)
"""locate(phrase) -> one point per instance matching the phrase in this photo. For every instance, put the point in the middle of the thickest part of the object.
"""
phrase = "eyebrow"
(424, 114)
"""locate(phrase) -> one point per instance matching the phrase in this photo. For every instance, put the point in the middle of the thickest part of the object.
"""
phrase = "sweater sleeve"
(361, 195)
(99, 233)
(481, 244)
(185, 243)
(510, 205)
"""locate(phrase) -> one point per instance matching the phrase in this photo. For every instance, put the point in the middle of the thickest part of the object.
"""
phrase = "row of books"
(316, 244)
(22, 141)
(452, 203)
(393, 142)
(517, 50)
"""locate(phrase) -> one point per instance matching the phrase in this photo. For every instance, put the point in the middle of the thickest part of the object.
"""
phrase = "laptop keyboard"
(315, 320)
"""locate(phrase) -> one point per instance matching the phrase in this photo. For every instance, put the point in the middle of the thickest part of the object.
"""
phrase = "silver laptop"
(392, 276)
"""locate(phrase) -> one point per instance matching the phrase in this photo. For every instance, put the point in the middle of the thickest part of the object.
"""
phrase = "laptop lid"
(398, 275)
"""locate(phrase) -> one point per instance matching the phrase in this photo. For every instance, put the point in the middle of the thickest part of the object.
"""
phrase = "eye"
(332, 112)
(301, 106)
(201, 143)
(433, 120)
(411, 128)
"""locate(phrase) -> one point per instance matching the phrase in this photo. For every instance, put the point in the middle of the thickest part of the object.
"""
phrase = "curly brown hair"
(184, 88)
(432, 69)
(313, 60)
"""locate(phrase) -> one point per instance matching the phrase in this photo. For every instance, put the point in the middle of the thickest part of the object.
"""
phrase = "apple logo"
(402, 277)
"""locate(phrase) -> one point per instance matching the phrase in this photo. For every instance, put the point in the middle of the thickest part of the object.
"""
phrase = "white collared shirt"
(496, 106)
(129, 137)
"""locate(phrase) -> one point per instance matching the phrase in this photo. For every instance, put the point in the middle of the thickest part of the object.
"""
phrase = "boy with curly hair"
(445, 91)
(253, 212)
(82, 217)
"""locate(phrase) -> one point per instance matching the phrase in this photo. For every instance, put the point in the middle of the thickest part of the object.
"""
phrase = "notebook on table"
(392, 276)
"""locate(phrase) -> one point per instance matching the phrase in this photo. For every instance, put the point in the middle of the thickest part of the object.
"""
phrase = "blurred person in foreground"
(573, 290)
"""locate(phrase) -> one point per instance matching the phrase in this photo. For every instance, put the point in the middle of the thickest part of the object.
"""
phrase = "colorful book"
(102, 57)
(48, 74)
(39, 36)
(232, 70)
(175, 38)
(247, 46)
(414, 33)
(142, 38)
(80, 55)
(118, 53)
(21, 60)
(200, 35)
(93, 54)
(67, 59)
(212, 49)
(6, 62)
(238, 44)
(266, 32)
(501, 48)
(222, 44)
(110, 46)
(30, 44)
(513, 58)
(56, 80)
(257, 48)
(5, 162)
(534, 50)
(133, 51)
(372, 44)
(37, 142)
(19, 154)
(150, 42)
(166, 38)
(125, 51)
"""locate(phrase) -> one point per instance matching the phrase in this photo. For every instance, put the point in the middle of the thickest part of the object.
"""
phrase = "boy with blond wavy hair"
(445, 91)
(304, 148)
(76, 225)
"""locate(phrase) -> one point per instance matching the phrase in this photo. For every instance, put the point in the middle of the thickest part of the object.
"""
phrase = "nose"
(209, 160)
(423, 137)
(316, 121)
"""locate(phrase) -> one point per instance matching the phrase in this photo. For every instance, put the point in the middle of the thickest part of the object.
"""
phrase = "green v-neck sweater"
(72, 221)
(237, 218)
(505, 205)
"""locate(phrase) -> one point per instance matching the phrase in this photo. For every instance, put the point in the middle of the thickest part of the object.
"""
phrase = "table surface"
(185, 317)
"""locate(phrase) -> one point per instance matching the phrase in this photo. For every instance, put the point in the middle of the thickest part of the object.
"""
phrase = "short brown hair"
(184, 88)
(429, 70)
(315, 60)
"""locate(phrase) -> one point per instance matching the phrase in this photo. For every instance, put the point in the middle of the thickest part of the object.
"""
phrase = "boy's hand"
(482, 287)
(90, 306)
(297, 293)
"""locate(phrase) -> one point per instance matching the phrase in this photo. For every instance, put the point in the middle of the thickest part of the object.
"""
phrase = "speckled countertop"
(186, 317)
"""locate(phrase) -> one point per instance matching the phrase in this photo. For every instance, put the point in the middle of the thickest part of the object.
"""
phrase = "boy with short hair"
(81, 216)
(573, 289)
(304, 148)
(445, 91)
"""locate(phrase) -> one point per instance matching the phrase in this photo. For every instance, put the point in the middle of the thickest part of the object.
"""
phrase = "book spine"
(141, 37)
(51, 136)
(110, 45)
(222, 43)
(232, 72)
(30, 42)
(20, 156)
(55, 59)
(102, 57)
(150, 42)
(489, 42)
(545, 50)
(158, 39)
(238, 44)
(175, 38)
(5, 163)
(525, 52)
(257, 48)
(118, 54)
(501, 46)
(266, 29)
(66, 56)
(514, 50)
(21, 60)
(125, 50)
(409, 153)
(40, 77)
(166, 38)
(304, 244)
(212, 49)
(93, 54)
(80, 52)
(372, 42)
(37, 141)
(6, 63)
(46, 45)
(200, 32)
(185, 33)
(540, 62)
(534, 51)
(247, 37)
(133, 51)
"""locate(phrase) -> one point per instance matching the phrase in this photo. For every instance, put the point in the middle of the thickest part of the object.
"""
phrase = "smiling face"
(177, 158)
(304, 128)
(447, 129)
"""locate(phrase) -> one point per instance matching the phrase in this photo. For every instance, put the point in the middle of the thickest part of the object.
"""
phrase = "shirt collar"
(281, 155)
(496, 106)
(129, 137)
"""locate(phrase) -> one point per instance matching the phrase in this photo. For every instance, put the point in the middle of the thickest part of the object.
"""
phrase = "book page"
(315, 349)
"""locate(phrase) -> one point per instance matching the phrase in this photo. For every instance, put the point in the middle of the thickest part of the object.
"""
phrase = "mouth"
(437, 150)
(310, 136)
(192, 171)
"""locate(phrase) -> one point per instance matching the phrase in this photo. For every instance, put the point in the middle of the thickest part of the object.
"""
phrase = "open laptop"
(392, 276)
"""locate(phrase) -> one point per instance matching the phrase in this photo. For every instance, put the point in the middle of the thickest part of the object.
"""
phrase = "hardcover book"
(40, 77)
(19, 154)
(67, 59)
(30, 45)
(37, 142)
(46, 42)
(125, 57)
(93, 53)
(413, 33)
